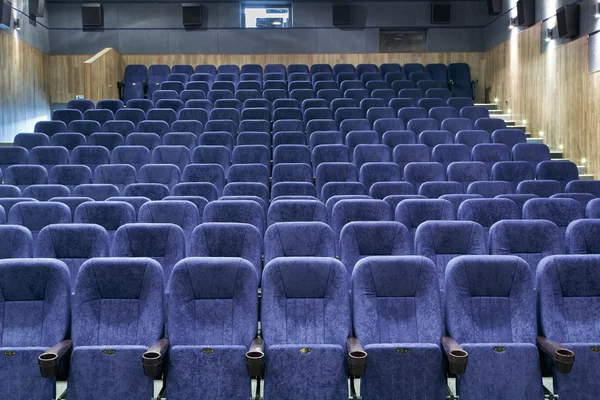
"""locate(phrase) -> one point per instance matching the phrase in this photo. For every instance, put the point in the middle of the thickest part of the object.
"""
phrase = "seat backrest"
(360, 239)
(25, 175)
(582, 237)
(513, 172)
(486, 212)
(35, 297)
(72, 244)
(108, 214)
(296, 211)
(281, 240)
(164, 243)
(318, 284)
(31, 140)
(35, 216)
(479, 286)
(534, 153)
(490, 189)
(334, 172)
(242, 211)
(416, 173)
(134, 287)
(16, 242)
(413, 212)
(532, 240)
(208, 289)
(560, 211)
(563, 171)
(407, 285)
(49, 156)
(181, 213)
(449, 153)
(467, 172)
(349, 210)
(46, 192)
(435, 189)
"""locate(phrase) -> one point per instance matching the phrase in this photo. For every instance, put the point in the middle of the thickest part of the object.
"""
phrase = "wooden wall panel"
(24, 98)
(101, 74)
(551, 90)
(65, 74)
(475, 60)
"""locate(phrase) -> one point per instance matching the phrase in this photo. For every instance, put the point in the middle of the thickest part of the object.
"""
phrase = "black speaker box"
(92, 15)
(494, 7)
(567, 20)
(5, 15)
(526, 12)
(192, 15)
(36, 8)
(440, 12)
(342, 14)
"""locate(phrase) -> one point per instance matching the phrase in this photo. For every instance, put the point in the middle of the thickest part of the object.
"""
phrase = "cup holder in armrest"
(255, 360)
(152, 362)
(564, 359)
(48, 363)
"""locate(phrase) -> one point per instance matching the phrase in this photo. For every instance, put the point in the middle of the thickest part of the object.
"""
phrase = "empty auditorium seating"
(298, 239)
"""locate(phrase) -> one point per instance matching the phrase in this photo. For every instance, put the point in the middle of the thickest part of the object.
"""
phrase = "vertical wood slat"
(101, 74)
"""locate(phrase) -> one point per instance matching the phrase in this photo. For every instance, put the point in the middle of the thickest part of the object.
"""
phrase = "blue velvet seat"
(206, 154)
(92, 156)
(242, 211)
(296, 211)
(486, 212)
(435, 189)
(292, 287)
(176, 155)
(108, 214)
(298, 239)
(166, 174)
(22, 176)
(46, 192)
(560, 211)
(582, 237)
(413, 212)
(97, 192)
(153, 191)
(498, 287)
(37, 215)
(136, 156)
(119, 175)
(16, 242)
(70, 175)
(49, 156)
(118, 314)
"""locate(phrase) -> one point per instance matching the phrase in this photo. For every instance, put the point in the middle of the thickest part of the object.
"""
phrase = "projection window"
(273, 16)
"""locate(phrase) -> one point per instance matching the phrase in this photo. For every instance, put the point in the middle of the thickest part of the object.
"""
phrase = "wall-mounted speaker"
(494, 7)
(526, 12)
(6, 15)
(440, 12)
(92, 16)
(342, 14)
(36, 8)
(567, 20)
(192, 15)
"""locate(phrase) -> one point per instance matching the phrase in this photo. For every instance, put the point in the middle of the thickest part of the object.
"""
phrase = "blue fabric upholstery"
(176, 155)
(518, 199)
(35, 216)
(153, 191)
(467, 172)
(46, 192)
(582, 198)
(67, 115)
(328, 153)
(146, 139)
(229, 239)
(383, 125)
(97, 192)
(68, 140)
(133, 115)
(112, 105)
(369, 153)
(92, 156)
(135, 202)
(474, 112)
(84, 127)
(584, 186)
(202, 290)
(194, 127)
(416, 173)
(242, 211)
(70, 175)
(413, 212)
(528, 239)
(100, 116)
(373, 172)
(539, 188)
(490, 154)
(166, 174)
(509, 137)
(472, 138)
(486, 212)
(135, 156)
(334, 172)
(212, 173)
(332, 189)
(442, 241)
(592, 210)
(217, 138)
(567, 295)
(290, 137)
(12, 155)
(8, 202)
(419, 125)
(72, 244)
(110, 215)
(455, 125)
(206, 154)
(490, 125)
(254, 138)
(582, 236)
(563, 171)
(71, 202)
(349, 210)
(396, 305)
(292, 289)
(296, 211)
(490, 189)
(158, 127)
(449, 153)
(181, 213)
(249, 173)
(433, 190)
(16, 242)
(203, 189)
(291, 153)
(381, 190)
(533, 153)
(407, 153)
(22, 176)
(119, 175)
(457, 199)
(36, 303)
(560, 211)
(49, 156)
(299, 239)
(513, 172)
(432, 138)
(478, 290)
(293, 189)
(187, 139)
(442, 113)
(292, 173)
(118, 305)
(31, 140)
(360, 239)
(50, 128)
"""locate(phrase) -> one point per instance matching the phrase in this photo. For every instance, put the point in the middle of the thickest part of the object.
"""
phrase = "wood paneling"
(24, 98)
(101, 74)
(551, 90)
(475, 60)
(65, 74)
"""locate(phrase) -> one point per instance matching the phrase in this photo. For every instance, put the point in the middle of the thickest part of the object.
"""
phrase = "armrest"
(457, 356)
(563, 358)
(357, 357)
(255, 357)
(153, 358)
(49, 360)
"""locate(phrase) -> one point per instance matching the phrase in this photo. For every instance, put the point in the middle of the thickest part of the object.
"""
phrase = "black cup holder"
(254, 362)
(48, 363)
(564, 359)
(459, 354)
(457, 361)
(152, 362)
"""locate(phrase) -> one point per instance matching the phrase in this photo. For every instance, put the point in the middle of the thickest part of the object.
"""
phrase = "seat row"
(400, 313)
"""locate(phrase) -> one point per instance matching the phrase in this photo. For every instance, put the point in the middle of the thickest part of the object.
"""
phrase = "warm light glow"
(524, 122)
(509, 111)
(541, 134)
(560, 147)
(583, 160)
(496, 100)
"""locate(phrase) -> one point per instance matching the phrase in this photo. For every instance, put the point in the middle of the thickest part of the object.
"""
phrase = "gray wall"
(135, 28)
(35, 34)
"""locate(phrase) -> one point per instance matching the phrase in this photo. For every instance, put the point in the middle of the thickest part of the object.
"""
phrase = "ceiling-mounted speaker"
(526, 12)
(92, 16)
(342, 14)
(567, 20)
(440, 12)
(36, 8)
(6, 15)
(192, 15)
(494, 7)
